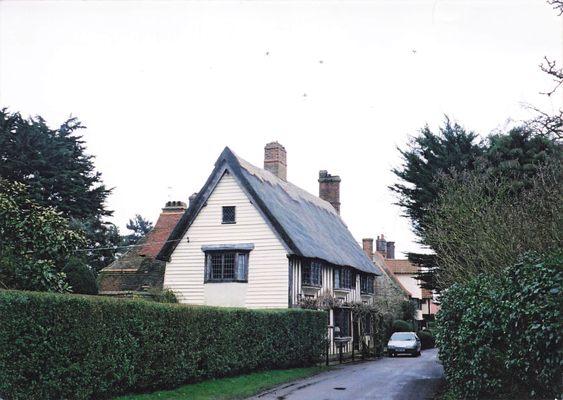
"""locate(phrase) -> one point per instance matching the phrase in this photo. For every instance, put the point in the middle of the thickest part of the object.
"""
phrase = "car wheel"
(418, 353)
(390, 354)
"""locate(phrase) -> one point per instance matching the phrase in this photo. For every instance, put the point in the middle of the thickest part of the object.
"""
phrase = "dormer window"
(229, 215)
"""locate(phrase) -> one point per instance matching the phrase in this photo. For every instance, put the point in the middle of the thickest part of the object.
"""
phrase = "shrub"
(162, 295)
(402, 326)
(502, 335)
(426, 340)
(408, 310)
(80, 277)
(77, 347)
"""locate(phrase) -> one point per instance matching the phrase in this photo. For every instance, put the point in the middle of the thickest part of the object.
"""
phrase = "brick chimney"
(367, 245)
(391, 250)
(381, 245)
(329, 189)
(275, 160)
(169, 217)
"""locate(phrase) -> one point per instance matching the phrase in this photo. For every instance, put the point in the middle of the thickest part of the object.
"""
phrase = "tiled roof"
(401, 266)
(308, 226)
(379, 260)
(427, 294)
(160, 233)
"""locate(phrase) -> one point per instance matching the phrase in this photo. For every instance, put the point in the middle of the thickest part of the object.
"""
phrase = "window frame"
(309, 270)
(339, 277)
(223, 221)
(367, 281)
(239, 255)
(342, 317)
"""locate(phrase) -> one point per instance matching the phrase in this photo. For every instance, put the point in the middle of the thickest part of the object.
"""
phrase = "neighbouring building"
(250, 238)
(389, 291)
(406, 273)
(137, 270)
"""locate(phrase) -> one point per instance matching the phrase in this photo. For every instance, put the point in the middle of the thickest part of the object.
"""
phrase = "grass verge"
(237, 387)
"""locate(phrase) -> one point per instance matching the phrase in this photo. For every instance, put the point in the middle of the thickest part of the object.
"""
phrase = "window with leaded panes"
(342, 321)
(229, 214)
(226, 266)
(367, 283)
(343, 278)
(311, 273)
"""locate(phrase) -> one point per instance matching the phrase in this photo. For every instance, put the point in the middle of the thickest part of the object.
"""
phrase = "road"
(400, 378)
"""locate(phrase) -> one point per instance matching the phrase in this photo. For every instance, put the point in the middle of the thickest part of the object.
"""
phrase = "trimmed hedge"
(503, 335)
(77, 347)
(426, 340)
(402, 326)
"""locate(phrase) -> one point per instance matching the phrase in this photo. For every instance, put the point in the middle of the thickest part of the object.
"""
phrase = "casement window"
(226, 266)
(342, 321)
(311, 273)
(229, 215)
(367, 283)
(343, 278)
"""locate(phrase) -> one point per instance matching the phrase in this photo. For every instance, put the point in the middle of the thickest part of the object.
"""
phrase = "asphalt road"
(400, 378)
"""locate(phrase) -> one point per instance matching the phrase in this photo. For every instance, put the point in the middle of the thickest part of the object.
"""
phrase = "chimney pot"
(329, 189)
(192, 198)
(275, 160)
(174, 206)
(381, 245)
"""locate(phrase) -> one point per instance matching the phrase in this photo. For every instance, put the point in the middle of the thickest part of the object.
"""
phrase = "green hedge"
(426, 340)
(78, 347)
(502, 335)
(402, 326)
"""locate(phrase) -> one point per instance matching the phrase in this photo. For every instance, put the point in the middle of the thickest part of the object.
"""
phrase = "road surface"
(400, 378)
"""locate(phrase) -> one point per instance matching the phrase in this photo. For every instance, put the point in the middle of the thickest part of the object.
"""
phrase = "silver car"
(403, 343)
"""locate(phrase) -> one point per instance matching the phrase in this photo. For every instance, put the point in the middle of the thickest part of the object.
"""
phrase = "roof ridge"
(267, 176)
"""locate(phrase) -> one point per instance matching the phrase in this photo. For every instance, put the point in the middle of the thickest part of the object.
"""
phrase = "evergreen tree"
(428, 156)
(139, 227)
(53, 164)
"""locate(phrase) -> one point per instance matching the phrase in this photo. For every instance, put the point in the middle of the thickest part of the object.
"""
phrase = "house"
(137, 270)
(250, 238)
(407, 274)
(390, 293)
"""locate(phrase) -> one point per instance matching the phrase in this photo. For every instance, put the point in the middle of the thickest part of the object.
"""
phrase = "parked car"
(403, 343)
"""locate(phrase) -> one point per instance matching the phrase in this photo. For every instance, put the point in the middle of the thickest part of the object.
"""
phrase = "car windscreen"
(402, 336)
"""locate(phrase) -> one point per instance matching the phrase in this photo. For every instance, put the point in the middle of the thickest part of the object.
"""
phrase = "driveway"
(400, 378)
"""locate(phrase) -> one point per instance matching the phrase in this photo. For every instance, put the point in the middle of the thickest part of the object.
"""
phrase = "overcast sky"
(163, 87)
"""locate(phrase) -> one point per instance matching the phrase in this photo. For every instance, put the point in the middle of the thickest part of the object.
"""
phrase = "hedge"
(56, 346)
(427, 340)
(502, 335)
(402, 326)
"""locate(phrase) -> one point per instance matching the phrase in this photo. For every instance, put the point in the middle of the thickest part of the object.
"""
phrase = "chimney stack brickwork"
(381, 245)
(169, 217)
(367, 245)
(329, 189)
(390, 250)
(275, 160)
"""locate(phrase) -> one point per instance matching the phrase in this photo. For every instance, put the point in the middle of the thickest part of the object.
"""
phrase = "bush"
(56, 346)
(426, 340)
(402, 326)
(162, 295)
(502, 335)
(80, 277)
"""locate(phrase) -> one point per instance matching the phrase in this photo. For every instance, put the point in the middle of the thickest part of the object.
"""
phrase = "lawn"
(237, 387)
